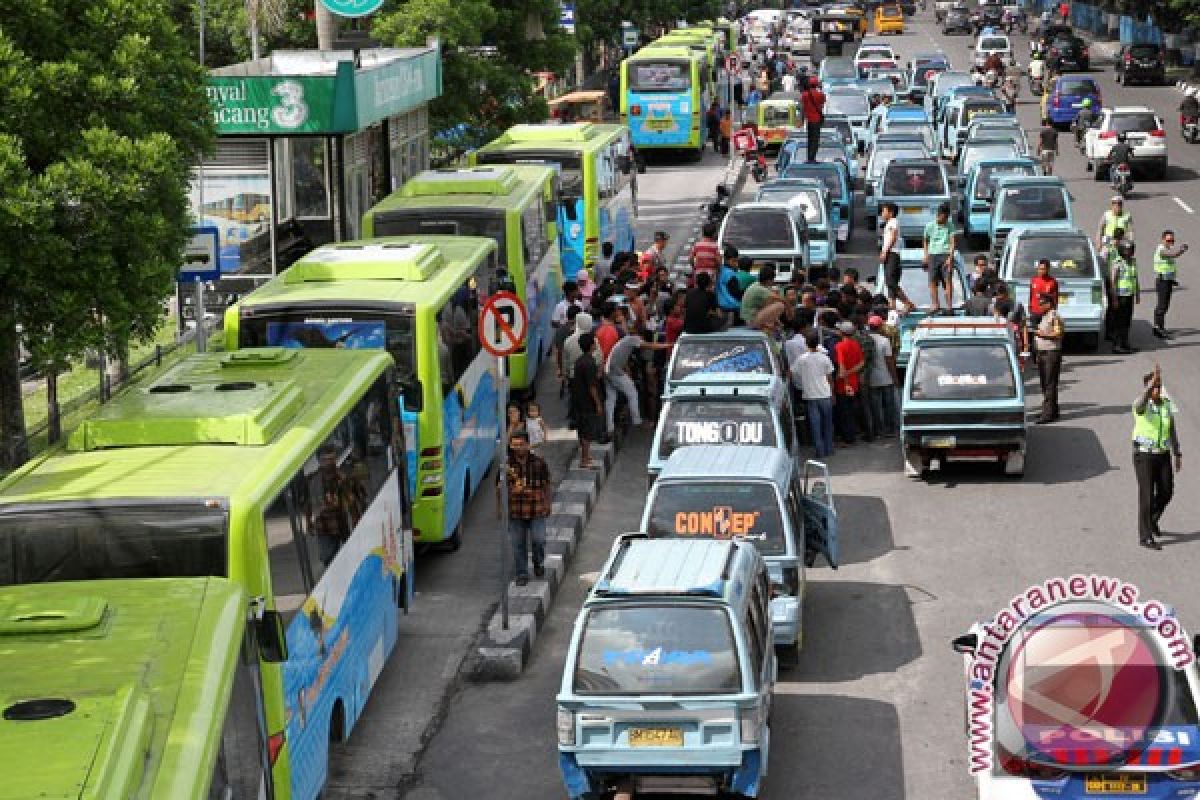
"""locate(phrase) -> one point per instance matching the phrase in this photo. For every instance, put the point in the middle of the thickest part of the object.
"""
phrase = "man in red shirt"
(849, 359)
(1042, 283)
(608, 333)
(812, 103)
(705, 256)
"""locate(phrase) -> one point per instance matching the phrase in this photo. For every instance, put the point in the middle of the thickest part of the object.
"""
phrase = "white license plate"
(835, 37)
(1077, 105)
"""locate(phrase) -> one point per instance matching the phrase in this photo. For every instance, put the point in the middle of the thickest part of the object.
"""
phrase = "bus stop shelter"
(308, 140)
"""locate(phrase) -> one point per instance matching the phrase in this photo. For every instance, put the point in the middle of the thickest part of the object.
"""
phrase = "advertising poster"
(239, 207)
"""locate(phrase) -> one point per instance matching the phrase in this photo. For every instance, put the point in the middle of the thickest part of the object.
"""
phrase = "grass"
(80, 380)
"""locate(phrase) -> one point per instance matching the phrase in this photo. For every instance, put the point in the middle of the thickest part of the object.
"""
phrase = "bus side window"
(533, 235)
(239, 771)
(458, 328)
(291, 549)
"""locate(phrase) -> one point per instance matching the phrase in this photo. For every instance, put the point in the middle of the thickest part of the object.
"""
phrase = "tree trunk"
(326, 26)
(53, 413)
(14, 447)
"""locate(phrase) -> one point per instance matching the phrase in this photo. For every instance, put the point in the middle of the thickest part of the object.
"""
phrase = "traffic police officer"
(1155, 440)
(1165, 280)
(1125, 285)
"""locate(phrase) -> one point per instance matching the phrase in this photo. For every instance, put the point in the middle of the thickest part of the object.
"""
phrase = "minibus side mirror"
(271, 636)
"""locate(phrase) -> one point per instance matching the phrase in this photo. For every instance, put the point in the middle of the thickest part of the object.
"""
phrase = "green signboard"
(343, 102)
(352, 8)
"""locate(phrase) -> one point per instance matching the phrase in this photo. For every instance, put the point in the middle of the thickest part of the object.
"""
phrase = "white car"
(993, 43)
(1144, 132)
(874, 54)
(1052, 714)
(940, 7)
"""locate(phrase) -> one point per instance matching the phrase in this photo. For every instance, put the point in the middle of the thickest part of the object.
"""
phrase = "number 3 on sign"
(292, 111)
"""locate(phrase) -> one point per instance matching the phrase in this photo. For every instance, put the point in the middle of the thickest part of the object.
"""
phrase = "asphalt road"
(874, 708)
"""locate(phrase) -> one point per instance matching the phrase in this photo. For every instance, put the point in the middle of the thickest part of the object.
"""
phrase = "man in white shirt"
(882, 380)
(571, 295)
(789, 82)
(889, 254)
(812, 374)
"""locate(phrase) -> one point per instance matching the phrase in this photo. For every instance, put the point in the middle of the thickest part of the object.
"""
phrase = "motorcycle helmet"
(1087, 102)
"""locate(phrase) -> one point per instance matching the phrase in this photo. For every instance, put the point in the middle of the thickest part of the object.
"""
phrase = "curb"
(501, 655)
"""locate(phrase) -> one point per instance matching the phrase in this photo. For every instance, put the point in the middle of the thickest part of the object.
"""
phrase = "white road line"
(1183, 205)
(662, 218)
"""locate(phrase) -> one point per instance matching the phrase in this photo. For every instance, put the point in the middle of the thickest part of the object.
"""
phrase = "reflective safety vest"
(1113, 221)
(1163, 264)
(1126, 278)
(1152, 428)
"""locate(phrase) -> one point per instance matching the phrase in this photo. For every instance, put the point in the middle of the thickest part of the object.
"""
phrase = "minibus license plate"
(1121, 783)
(940, 441)
(656, 737)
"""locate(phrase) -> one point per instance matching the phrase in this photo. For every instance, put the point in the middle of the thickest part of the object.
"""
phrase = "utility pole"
(326, 26)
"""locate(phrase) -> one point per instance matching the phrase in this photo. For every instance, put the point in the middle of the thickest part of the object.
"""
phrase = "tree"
(228, 37)
(487, 56)
(105, 115)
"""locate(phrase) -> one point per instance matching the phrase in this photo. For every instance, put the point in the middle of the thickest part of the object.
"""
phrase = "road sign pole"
(506, 556)
(198, 307)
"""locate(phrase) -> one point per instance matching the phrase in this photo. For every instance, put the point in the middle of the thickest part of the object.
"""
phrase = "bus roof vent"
(91, 746)
(574, 132)
(225, 411)
(496, 181)
(43, 614)
(368, 260)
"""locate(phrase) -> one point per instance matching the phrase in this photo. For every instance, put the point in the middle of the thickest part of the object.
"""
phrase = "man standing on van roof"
(812, 102)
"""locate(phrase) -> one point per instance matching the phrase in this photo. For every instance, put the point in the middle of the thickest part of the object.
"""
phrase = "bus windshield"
(113, 541)
(570, 165)
(448, 221)
(660, 76)
(353, 329)
(719, 509)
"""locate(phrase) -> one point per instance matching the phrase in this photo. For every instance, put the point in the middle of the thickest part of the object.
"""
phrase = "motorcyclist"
(1189, 109)
(991, 79)
(1121, 153)
(994, 63)
(1037, 72)
(1086, 118)
(1009, 92)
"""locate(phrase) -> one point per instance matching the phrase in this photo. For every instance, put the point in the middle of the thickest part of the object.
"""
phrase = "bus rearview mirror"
(414, 398)
(272, 637)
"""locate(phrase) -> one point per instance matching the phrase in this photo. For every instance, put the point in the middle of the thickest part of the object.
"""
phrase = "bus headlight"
(565, 722)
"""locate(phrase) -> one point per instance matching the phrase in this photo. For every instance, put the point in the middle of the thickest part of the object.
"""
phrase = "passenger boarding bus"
(516, 206)
(598, 206)
(278, 469)
(145, 688)
(664, 94)
(418, 297)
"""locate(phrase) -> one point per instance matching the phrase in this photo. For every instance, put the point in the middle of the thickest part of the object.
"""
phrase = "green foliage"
(283, 24)
(600, 20)
(488, 56)
(105, 113)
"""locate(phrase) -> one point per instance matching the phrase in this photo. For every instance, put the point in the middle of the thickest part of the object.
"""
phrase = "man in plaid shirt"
(529, 494)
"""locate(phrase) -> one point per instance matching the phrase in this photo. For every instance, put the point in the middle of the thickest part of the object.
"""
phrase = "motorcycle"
(1080, 130)
(757, 159)
(1121, 179)
(716, 210)
(1191, 129)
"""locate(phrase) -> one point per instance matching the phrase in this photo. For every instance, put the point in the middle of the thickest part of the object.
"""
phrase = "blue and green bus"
(664, 94)
(517, 206)
(598, 179)
(419, 298)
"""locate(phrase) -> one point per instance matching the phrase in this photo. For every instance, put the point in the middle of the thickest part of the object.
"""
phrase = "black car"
(989, 16)
(1051, 32)
(909, 7)
(1142, 63)
(957, 19)
(1071, 52)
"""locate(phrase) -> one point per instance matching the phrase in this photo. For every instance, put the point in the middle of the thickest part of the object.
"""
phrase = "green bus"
(516, 206)
(664, 94)
(598, 205)
(419, 298)
(146, 687)
(277, 469)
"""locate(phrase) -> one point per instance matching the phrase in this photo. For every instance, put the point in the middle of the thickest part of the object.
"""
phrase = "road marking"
(1183, 205)
(661, 217)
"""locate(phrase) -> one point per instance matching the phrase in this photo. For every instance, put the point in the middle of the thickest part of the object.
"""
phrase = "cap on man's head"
(1118, 200)
(875, 321)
